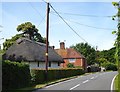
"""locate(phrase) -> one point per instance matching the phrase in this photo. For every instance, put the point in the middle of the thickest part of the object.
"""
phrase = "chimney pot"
(62, 45)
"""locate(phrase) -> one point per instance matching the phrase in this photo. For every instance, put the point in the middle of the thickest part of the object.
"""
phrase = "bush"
(38, 75)
(70, 65)
(110, 66)
(15, 75)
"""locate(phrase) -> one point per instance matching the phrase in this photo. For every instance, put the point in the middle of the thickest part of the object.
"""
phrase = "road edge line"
(112, 83)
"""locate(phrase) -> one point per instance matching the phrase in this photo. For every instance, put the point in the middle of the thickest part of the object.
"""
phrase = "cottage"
(33, 53)
(71, 56)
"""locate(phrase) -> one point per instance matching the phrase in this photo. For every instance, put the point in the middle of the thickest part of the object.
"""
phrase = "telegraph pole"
(47, 34)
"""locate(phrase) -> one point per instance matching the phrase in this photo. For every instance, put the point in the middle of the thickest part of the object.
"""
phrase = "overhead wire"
(38, 14)
(68, 24)
(88, 25)
(82, 15)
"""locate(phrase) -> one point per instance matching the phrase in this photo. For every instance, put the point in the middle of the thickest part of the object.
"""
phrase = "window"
(49, 64)
(72, 60)
(38, 64)
(58, 63)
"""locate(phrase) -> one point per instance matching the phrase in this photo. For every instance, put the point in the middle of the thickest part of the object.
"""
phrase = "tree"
(86, 50)
(109, 55)
(30, 31)
(9, 42)
(117, 42)
(101, 61)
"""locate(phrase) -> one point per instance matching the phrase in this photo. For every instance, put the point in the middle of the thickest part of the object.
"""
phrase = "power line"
(68, 24)
(83, 15)
(91, 26)
(88, 25)
(37, 13)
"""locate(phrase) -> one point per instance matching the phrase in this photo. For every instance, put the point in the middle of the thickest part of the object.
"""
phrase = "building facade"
(33, 53)
(71, 56)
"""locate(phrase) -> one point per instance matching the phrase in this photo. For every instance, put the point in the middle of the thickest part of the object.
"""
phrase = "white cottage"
(33, 53)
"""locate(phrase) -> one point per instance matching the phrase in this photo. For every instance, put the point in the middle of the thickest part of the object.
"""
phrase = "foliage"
(70, 65)
(29, 29)
(11, 41)
(109, 55)
(38, 75)
(110, 66)
(101, 61)
(15, 75)
(26, 28)
(117, 42)
(86, 50)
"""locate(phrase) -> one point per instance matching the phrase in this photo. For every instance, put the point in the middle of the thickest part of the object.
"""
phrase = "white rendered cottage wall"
(42, 65)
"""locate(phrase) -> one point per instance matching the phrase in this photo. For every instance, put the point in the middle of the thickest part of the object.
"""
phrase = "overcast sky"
(91, 20)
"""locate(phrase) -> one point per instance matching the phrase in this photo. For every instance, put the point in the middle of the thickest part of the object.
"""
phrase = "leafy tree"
(70, 65)
(109, 55)
(86, 50)
(9, 42)
(29, 30)
(101, 61)
(117, 42)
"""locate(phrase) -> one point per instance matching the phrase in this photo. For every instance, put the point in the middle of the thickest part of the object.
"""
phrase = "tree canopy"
(9, 42)
(86, 50)
(109, 55)
(29, 30)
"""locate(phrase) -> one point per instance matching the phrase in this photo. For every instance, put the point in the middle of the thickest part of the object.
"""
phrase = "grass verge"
(116, 83)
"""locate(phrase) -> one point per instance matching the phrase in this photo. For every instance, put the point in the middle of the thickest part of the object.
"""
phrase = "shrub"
(15, 75)
(110, 66)
(70, 65)
(38, 75)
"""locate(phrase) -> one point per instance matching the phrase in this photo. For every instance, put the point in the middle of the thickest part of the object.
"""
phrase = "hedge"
(110, 66)
(38, 75)
(15, 75)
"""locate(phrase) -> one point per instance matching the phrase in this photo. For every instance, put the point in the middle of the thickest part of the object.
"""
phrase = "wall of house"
(77, 62)
(42, 65)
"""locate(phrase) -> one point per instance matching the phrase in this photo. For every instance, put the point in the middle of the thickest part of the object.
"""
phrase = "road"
(96, 81)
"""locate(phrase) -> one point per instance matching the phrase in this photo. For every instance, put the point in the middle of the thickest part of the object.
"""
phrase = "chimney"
(53, 47)
(62, 45)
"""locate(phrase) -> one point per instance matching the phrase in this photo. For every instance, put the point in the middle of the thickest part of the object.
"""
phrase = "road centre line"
(74, 87)
(92, 78)
(85, 81)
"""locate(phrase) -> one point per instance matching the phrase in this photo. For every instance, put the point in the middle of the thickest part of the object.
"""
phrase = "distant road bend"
(96, 81)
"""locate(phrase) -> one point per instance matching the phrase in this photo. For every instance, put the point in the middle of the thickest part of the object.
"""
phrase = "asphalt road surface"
(96, 81)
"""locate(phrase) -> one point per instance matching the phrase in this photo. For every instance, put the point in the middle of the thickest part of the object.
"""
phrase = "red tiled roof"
(69, 53)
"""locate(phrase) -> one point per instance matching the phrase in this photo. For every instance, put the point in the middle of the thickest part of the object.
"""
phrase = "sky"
(91, 20)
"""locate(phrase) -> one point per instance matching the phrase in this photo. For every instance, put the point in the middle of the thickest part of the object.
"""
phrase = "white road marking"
(92, 78)
(85, 81)
(112, 83)
(74, 87)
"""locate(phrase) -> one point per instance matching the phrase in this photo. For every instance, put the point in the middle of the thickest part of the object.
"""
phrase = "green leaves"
(114, 32)
(86, 50)
(115, 3)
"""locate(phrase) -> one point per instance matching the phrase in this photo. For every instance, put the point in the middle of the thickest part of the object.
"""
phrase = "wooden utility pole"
(47, 33)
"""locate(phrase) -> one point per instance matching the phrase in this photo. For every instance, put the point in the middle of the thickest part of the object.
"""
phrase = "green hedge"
(110, 66)
(38, 75)
(15, 75)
